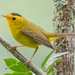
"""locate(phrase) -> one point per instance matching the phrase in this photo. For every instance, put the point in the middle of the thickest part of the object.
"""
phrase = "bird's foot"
(14, 47)
(27, 62)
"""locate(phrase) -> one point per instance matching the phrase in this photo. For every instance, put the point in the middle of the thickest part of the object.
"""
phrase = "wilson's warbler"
(29, 34)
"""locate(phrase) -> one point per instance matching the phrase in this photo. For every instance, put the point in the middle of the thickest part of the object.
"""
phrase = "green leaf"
(49, 69)
(10, 61)
(45, 60)
(22, 73)
(7, 74)
(19, 68)
(20, 64)
(18, 73)
(29, 73)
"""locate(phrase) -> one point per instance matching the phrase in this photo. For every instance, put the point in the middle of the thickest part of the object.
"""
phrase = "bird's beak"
(4, 16)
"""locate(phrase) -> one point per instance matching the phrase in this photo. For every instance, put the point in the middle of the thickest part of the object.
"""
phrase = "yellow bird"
(29, 34)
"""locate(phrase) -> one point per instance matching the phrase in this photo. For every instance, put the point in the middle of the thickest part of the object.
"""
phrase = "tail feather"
(54, 36)
(60, 34)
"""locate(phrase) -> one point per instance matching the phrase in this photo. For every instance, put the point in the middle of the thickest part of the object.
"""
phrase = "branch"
(20, 57)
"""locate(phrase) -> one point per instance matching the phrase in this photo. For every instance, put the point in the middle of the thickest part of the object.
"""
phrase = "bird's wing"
(38, 36)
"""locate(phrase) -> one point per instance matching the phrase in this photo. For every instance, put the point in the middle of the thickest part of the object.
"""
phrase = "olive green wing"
(38, 37)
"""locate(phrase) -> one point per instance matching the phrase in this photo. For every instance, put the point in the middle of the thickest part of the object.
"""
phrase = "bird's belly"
(26, 40)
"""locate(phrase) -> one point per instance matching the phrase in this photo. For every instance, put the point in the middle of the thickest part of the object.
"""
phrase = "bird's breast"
(24, 39)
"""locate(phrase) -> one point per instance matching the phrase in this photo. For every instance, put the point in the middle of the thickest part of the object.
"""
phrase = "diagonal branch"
(20, 57)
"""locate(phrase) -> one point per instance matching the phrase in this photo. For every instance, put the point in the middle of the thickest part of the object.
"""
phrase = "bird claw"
(14, 47)
(27, 62)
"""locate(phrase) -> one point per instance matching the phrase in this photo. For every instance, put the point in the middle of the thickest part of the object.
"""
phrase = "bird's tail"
(53, 36)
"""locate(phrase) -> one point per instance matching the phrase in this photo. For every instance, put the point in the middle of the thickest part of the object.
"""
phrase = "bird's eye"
(14, 18)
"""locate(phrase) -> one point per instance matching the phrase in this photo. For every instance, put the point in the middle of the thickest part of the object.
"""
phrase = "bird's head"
(14, 19)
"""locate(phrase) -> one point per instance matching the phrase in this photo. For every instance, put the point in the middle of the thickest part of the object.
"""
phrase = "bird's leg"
(27, 62)
(14, 47)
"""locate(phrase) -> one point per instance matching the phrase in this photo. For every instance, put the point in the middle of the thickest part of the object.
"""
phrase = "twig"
(20, 57)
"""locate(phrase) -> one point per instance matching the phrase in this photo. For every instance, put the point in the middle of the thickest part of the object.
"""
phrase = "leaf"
(18, 73)
(22, 73)
(53, 57)
(45, 60)
(7, 74)
(10, 61)
(18, 68)
(29, 73)
(49, 69)
(57, 55)
(20, 64)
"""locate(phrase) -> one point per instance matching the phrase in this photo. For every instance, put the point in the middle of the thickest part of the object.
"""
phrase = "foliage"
(17, 67)
(50, 60)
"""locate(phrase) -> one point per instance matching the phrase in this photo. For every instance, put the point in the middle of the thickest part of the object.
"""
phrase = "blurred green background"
(39, 12)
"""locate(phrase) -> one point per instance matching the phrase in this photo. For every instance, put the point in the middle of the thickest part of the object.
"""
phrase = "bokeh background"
(39, 12)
